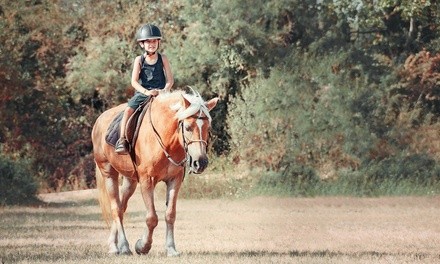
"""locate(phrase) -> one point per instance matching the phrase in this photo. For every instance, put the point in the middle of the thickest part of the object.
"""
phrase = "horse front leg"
(117, 241)
(127, 189)
(173, 187)
(143, 245)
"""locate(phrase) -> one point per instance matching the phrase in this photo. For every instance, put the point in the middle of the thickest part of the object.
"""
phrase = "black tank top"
(152, 76)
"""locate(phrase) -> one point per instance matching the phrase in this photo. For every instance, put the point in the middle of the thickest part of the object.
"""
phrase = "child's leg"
(120, 147)
(127, 113)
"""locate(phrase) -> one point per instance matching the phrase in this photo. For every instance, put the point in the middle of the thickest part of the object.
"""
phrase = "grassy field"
(68, 229)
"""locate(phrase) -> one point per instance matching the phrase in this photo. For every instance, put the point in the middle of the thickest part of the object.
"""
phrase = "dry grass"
(259, 230)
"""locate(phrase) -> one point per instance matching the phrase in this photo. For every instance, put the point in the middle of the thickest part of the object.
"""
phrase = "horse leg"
(127, 189)
(117, 241)
(143, 245)
(173, 187)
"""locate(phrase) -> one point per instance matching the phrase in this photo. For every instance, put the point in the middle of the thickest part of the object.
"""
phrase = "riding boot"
(121, 146)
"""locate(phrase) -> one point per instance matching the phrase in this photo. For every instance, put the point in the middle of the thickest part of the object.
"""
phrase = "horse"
(172, 137)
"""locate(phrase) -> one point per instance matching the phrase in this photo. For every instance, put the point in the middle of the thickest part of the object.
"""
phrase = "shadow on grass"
(37, 203)
(327, 253)
(312, 254)
(98, 255)
(88, 202)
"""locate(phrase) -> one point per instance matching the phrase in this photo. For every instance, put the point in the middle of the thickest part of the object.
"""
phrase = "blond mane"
(197, 104)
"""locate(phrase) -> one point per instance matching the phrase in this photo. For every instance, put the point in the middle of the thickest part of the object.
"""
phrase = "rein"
(186, 141)
(159, 139)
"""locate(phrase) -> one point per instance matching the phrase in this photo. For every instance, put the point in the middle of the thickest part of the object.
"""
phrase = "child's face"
(150, 45)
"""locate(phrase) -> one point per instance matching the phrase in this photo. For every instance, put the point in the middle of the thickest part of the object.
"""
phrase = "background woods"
(318, 97)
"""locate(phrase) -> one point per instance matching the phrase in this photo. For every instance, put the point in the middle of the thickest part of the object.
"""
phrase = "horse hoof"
(141, 250)
(125, 251)
(172, 253)
(113, 250)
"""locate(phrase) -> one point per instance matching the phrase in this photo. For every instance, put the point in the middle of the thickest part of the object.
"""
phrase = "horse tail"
(103, 197)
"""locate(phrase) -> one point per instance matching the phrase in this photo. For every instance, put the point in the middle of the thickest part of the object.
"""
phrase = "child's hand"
(151, 92)
(154, 92)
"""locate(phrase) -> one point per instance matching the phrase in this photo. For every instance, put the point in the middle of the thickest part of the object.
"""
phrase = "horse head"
(195, 122)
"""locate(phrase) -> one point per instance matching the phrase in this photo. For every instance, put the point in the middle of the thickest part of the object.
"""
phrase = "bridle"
(186, 141)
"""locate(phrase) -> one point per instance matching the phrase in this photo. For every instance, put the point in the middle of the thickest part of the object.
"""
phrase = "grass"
(68, 229)
(228, 185)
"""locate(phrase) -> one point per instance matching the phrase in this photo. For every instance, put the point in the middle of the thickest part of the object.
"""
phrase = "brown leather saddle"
(133, 125)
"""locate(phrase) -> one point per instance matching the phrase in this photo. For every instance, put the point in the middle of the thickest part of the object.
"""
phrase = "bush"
(17, 184)
(296, 180)
(416, 95)
(417, 170)
(301, 115)
(316, 129)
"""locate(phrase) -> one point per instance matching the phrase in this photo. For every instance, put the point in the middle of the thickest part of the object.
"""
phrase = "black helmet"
(148, 31)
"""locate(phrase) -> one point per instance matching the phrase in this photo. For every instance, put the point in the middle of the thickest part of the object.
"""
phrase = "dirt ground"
(285, 230)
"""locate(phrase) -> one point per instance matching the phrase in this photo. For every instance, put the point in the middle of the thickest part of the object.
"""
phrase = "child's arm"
(168, 74)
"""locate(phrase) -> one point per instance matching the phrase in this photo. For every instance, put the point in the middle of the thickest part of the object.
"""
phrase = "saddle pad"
(113, 130)
(133, 125)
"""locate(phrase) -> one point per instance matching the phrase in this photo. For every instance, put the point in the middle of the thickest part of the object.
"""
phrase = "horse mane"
(197, 104)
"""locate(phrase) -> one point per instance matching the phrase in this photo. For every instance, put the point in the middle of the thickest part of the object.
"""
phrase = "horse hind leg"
(102, 172)
(117, 240)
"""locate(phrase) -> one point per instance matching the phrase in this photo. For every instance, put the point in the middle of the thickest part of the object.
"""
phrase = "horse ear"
(211, 103)
(186, 102)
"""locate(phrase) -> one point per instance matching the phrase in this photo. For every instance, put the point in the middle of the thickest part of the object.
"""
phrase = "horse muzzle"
(197, 166)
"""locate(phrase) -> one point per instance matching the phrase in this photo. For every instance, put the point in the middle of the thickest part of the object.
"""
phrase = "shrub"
(419, 168)
(104, 67)
(296, 180)
(17, 184)
(417, 93)
(301, 115)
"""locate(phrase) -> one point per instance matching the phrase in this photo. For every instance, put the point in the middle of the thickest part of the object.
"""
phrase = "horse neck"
(166, 125)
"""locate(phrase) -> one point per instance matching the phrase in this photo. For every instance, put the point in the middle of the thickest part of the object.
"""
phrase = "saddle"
(132, 128)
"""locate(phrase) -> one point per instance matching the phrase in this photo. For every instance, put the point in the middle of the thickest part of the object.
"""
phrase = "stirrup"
(121, 146)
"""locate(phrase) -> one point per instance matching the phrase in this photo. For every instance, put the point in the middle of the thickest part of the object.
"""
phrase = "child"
(151, 74)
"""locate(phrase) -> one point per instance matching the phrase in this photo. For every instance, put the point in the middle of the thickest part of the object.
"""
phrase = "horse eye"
(188, 128)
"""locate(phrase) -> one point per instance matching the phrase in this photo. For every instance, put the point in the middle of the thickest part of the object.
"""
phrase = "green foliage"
(295, 116)
(104, 66)
(220, 47)
(397, 175)
(417, 90)
(302, 127)
(420, 170)
(18, 186)
(390, 26)
(297, 181)
(261, 120)
(292, 103)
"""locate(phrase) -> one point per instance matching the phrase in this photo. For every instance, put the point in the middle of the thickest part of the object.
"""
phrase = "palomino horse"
(172, 134)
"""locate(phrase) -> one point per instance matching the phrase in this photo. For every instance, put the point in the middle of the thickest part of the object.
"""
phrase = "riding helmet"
(148, 31)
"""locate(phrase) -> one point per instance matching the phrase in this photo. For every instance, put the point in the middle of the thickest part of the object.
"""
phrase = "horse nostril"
(200, 165)
(196, 164)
